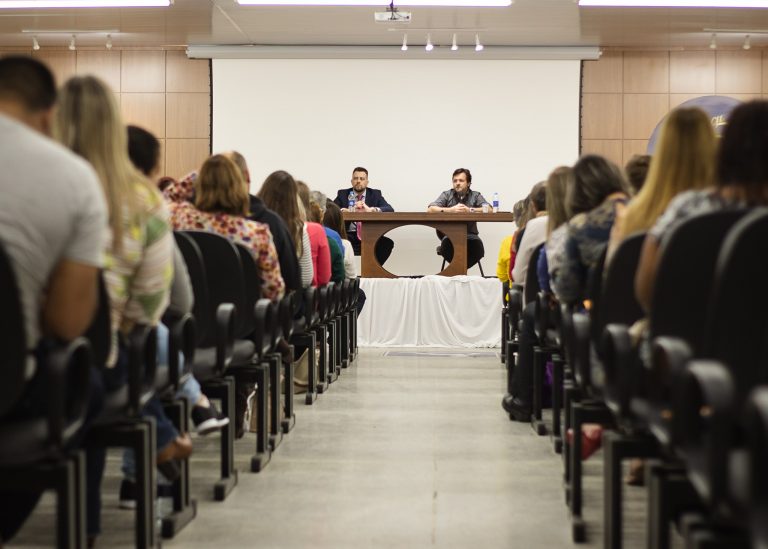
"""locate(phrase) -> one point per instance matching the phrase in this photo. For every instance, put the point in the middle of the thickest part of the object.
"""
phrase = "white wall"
(409, 122)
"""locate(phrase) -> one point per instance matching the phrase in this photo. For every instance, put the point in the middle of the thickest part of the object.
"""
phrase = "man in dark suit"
(367, 200)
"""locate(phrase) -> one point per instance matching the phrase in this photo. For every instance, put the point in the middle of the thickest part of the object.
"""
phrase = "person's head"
(538, 197)
(303, 190)
(27, 92)
(743, 157)
(359, 179)
(88, 123)
(557, 189)
(462, 179)
(517, 212)
(144, 151)
(241, 164)
(684, 159)
(594, 179)
(315, 212)
(332, 219)
(637, 170)
(219, 187)
(280, 193)
(319, 197)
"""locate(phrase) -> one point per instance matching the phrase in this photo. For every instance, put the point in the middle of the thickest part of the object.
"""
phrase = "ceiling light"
(35, 43)
(429, 46)
(405, 43)
(713, 42)
(478, 45)
(747, 44)
(401, 3)
(25, 4)
(677, 3)
(109, 41)
(72, 43)
(454, 45)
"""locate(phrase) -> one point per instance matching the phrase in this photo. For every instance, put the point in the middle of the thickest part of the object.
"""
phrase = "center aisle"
(402, 451)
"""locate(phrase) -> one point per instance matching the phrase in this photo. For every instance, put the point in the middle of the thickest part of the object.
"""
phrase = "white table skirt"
(433, 311)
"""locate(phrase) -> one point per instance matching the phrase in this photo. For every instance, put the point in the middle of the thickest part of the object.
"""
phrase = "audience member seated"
(321, 251)
(741, 181)
(535, 232)
(52, 220)
(684, 160)
(548, 267)
(220, 206)
(316, 213)
(139, 254)
(332, 220)
(461, 199)
(366, 200)
(637, 171)
(521, 213)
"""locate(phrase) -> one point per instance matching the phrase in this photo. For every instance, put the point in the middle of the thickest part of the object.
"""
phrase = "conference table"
(452, 225)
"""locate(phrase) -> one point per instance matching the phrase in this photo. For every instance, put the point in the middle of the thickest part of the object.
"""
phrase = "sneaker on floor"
(208, 420)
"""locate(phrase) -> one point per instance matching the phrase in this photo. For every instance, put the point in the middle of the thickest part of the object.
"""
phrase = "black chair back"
(685, 276)
(252, 281)
(202, 310)
(13, 342)
(738, 309)
(532, 287)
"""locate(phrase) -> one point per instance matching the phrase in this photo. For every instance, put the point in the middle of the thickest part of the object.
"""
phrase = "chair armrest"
(226, 317)
(581, 350)
(142, 366)
(756, 428)
(618, 357)
(181, 340)
(68, 388)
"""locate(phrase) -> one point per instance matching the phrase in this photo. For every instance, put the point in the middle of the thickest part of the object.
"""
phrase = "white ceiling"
(526, 22)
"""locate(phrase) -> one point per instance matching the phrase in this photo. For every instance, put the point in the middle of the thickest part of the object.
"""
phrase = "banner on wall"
(718, 107)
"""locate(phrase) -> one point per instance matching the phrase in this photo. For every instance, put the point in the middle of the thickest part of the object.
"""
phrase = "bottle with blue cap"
(495, 202)
(352, 200)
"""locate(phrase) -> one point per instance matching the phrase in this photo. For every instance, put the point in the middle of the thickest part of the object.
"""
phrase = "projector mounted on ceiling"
(392, 15)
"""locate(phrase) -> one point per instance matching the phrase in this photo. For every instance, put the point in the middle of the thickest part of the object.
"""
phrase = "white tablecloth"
(433, 311)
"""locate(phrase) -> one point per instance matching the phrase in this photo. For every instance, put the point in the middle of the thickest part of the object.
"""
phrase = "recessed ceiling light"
(26, 4)
(401, 3)
(677, 3)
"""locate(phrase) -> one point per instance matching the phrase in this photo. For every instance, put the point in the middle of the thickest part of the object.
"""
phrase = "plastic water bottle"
(495, 202)
(352, 200)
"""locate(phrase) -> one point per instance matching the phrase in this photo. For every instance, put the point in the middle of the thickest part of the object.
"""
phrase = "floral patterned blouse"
(239, 230)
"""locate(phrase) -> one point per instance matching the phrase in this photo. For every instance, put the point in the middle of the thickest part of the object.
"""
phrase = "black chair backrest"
(204, 314)
(99, 333)
(616, 302)
(12, 337)
(225, 275)
(738, 310)
(252, 281)
(312, 306)
(532, 287)
(685, 274)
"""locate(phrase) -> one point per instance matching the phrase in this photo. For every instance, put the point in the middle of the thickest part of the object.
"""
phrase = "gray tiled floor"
(400, 452)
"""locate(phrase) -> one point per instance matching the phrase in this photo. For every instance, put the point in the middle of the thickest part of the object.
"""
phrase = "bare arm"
(645, 277)
(71, 300)
(458, 208)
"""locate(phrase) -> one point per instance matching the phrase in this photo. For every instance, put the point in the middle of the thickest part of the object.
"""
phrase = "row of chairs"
(690, 397)
(231, 335)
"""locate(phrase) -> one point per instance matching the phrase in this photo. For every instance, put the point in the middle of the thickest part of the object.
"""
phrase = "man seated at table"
(366, 200)
(461, 199)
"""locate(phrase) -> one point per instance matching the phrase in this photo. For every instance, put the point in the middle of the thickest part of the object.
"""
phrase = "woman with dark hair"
(332, 220)
(598, 192)
(741, 181)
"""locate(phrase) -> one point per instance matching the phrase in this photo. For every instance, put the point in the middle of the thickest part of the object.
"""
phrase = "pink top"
(321, 254)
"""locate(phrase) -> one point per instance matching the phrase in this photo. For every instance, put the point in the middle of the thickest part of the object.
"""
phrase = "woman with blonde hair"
(220, 206)
(684, 160)
(139, 254)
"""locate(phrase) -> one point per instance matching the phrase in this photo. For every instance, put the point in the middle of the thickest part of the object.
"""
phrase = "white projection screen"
(410, 123)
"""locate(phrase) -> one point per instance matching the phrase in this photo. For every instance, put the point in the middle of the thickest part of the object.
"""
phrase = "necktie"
(358, 224)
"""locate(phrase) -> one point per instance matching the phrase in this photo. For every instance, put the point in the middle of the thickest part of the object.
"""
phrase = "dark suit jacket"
(373, 199)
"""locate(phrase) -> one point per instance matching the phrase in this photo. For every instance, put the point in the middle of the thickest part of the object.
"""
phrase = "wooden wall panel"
(604, 75)
(692, 72)
(642, 112)
(104, 64)
(143, 71)
(646, 72)
(188, 115)
(146, 110)
(601, 116)
(738, 72)
(609, 148)
(186, 75)
(632, 147)
(677, 99)
(184, 155)
(61, 62)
